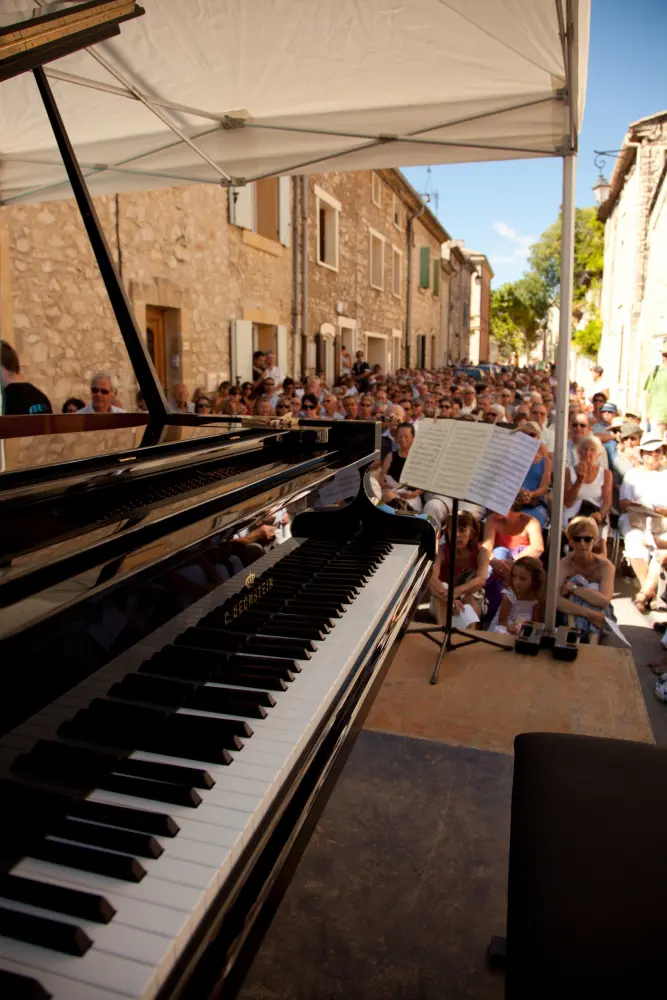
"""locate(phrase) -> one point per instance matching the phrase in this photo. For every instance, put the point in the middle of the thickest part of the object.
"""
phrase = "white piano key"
(95, 968)
(184, 881)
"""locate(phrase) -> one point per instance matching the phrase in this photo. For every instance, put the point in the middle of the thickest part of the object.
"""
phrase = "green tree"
(587, 340)
(544, 257)
(513, 323)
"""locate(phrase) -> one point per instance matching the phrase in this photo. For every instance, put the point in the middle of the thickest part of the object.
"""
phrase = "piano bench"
(587, 890)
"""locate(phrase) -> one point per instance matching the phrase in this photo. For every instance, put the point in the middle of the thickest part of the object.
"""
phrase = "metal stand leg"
(448, 630)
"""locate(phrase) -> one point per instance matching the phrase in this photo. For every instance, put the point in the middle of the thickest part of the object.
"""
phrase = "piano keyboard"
(140, 788)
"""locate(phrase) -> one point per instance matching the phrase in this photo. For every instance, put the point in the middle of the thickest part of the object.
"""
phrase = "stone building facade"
(634, 289)
(460, 272)
(480, 306)
(213, 274)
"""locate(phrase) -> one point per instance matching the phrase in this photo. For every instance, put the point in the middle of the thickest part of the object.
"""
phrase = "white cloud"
(523, 243)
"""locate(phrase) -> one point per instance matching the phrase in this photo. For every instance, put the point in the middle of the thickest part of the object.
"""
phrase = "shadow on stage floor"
(402, 884)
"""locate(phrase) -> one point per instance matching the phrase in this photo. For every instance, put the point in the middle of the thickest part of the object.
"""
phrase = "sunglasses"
(282, 406)
(96, 389)
(308, 406)
(583, 538)
(580, 425)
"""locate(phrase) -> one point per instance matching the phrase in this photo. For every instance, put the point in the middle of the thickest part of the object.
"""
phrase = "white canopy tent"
(229, 91)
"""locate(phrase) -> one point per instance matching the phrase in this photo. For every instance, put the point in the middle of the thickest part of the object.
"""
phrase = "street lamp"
(601, 189)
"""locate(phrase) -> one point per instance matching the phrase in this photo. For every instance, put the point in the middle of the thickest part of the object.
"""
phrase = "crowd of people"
(616, 472)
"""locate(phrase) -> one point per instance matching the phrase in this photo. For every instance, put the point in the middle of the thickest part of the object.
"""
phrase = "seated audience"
(585, 581)
(180, 402)
(535, 486)
(588, 489)
(643, 501)
(393, 492)
(523, 598)
(505, 538)
(471, 568)
(103, 389)
(73, 405)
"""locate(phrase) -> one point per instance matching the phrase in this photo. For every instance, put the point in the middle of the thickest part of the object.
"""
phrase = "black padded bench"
(587, 892)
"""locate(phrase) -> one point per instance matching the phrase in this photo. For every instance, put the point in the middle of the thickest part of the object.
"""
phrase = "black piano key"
(176, 774)
(113, 723)
(171, 663)
(16, 987)
(32, 810)
(160, 791)
(138, 687)
(202, 733)
(157, 823)
(89, 859)
(70, 765)
(280, 667)
(53, 934)
(175, 745)
(143, 845)
(219, 699)
(262, 680)
(45, 895)
(219, 639)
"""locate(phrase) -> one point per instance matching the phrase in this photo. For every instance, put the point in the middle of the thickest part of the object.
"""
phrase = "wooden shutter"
(242, 206)
(284, 215)
(424, 267)
(241, 349)
(281, 348)
(436, 277)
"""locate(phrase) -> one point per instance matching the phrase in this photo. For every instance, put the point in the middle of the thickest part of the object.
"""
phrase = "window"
(424, 267)
(466, 315)
(266, 208)
(376, 260)
(436, 276)
(376, 190)
(396, 213)
(396, 271)
(327, 214)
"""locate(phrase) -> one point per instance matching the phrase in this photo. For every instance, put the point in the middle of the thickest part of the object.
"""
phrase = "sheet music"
(482, 463)
(426, 456)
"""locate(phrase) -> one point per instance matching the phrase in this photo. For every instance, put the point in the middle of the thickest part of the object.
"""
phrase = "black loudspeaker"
(532, 638)
(566, 646)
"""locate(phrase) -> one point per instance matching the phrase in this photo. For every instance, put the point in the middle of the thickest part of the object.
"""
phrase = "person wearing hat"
(469, 400)
(603, 430)
(643, 521)
(655, 396)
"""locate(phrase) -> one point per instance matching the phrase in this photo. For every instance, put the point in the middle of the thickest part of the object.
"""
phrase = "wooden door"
(155, 341)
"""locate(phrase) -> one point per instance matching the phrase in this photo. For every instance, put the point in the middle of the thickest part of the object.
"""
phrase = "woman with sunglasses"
(283, 408)
(585, 581)
(580, 428)
(588, 488)
(310, 406)
(204, 406)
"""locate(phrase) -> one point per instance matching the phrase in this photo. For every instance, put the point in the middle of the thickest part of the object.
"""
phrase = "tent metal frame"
(567, 14)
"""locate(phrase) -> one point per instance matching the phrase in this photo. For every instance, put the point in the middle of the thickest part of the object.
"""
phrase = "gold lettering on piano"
(246, 602)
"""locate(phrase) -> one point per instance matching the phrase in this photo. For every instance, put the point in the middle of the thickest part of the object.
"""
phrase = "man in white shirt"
(272, 370)
(539, 413)
(103, 389)
(180, 403)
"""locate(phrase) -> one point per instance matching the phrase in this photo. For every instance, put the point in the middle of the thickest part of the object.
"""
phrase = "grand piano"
(178, 698)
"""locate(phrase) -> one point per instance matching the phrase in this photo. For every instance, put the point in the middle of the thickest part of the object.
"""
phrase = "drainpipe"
(295, 272)
(304, 271)
(408, 295)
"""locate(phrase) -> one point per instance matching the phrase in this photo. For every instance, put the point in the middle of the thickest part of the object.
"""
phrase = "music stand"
(448, 630)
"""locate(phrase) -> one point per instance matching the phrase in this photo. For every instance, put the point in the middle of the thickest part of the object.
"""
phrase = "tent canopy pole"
(563, 387)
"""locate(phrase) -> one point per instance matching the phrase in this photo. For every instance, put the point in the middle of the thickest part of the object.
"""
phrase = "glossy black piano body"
(151, 523)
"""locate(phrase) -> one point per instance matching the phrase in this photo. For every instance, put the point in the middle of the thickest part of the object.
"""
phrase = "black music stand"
(448, 630)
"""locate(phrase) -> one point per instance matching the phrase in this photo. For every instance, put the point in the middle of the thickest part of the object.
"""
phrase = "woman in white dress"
(588, 489)
(643, 521)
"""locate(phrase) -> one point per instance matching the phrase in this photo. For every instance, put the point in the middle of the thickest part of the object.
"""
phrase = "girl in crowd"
(505, 538)
(471, 568)
(310, 405)
(283, 408)
(523, 599)
(535, 486)
(588, 488)
(585, 580)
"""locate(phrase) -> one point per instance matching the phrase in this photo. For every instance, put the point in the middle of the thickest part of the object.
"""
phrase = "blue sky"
(500, 208)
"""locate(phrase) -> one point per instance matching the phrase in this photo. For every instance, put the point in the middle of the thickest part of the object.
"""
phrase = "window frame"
(376, 182)
(373, 234)
(395, 210)
(396, 252)
(323, 197)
